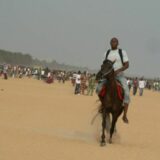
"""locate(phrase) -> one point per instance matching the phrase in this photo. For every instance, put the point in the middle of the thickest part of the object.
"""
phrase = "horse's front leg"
(103, 142)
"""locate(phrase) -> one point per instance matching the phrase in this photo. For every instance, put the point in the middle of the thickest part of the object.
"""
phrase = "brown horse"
(110, 102)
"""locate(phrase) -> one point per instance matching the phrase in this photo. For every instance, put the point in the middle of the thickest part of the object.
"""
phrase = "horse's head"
(107, 68)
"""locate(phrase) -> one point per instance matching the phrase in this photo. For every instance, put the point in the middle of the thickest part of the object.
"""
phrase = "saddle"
(119, 90)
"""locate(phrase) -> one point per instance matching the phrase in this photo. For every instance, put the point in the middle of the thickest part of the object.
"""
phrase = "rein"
(105, 74)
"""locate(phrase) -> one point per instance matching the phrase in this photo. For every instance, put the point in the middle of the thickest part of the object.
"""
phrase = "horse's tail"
(94, 118)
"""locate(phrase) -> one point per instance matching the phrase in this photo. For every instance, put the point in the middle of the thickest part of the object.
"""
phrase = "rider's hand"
(116, 73)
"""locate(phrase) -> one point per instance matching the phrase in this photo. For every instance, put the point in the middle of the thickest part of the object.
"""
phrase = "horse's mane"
(107, 61)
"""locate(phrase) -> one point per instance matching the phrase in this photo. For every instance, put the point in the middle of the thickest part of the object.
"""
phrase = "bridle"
(110, 70)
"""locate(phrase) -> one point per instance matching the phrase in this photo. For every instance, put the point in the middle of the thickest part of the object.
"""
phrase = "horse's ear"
(104, 61)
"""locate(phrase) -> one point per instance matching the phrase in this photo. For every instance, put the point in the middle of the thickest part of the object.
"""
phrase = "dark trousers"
(5, 76)
(77, 89)
(134, 90)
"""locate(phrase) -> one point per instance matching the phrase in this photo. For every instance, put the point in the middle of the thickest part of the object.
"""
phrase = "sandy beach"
(39, 121)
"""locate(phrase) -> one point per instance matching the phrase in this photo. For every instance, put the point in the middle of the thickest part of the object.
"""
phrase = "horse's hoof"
(110, 141)
(103, 144)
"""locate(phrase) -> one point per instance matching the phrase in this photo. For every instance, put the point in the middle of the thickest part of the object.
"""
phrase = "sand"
(39, 121)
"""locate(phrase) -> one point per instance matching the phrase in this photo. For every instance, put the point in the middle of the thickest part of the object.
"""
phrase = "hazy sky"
(78, 31)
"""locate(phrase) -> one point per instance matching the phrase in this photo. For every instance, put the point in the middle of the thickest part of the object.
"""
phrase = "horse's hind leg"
(103, 142)
(108, 122)
(114, 120)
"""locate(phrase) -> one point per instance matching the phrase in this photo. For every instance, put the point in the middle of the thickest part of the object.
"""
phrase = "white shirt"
(36, 71)
(74, 76)
(114, 56)
(42, 72)
(49, 74)
(142, 84)
(78, 79)
(128, 82)
(14, 68)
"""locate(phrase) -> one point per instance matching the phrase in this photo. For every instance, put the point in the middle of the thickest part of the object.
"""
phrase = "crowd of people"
(84, 83)
(45, 74)
(141, 84)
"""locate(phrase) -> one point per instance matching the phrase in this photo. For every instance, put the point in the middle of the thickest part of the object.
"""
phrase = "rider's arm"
(125, 63)
(125, 66)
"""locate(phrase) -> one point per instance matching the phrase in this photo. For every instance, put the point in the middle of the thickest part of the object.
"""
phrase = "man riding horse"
(121, 63)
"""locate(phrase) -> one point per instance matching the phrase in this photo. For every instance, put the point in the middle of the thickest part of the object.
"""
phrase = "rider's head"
(114, 43)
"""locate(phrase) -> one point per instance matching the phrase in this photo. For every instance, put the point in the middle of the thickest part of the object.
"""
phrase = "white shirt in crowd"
(49, 74)
(114, 56)
(74, 76)
(42, 72)
(142, 84)
(14, 68)
(128, 82)
(78, 79)
(36, 71)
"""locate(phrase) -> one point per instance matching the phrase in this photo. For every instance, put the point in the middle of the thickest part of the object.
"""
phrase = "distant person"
(78, 83)
(83, 83)
(157, 86)
(59, 77)
(63, 77)
(73, 79)
(149, 85)
(39, 74)
(91, 85)
(135, 86)
(129, 83)
(141, 87)
(43, 74)
(5, 68)
(14, 71)
(49, 79)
